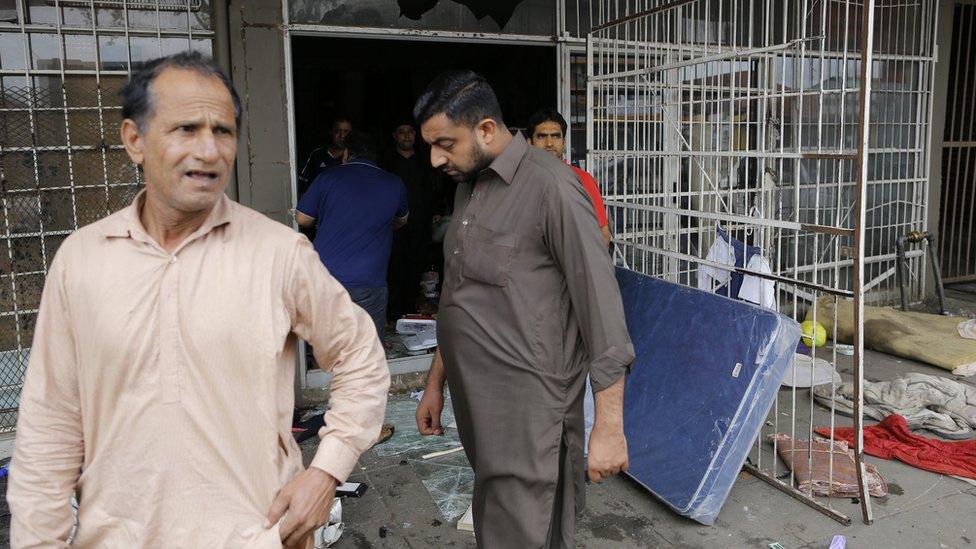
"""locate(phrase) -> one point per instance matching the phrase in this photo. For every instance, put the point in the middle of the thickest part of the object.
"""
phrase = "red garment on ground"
(593, 190)
(891, 439)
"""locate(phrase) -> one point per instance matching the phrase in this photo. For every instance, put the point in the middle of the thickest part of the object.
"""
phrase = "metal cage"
(62, 164)
(745, 117)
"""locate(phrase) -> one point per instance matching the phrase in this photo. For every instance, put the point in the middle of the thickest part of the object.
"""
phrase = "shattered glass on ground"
(449, 485)
(449, 478)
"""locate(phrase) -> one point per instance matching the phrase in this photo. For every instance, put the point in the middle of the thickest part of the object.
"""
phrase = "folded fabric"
(839, 481)
(967, 328)
(943, 406)
(891, 439)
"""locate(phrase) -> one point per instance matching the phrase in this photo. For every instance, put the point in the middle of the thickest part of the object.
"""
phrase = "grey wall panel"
(258, 70)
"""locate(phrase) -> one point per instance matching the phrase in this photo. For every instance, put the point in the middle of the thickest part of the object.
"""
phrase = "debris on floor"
(401, 413)
(448, 479)
(807, 371)
(330, 533)
(308, 427)
(433, 455)
(466, 522)
(967, 328)
(943, 406)
(386, 432)
(933, 339)
(833, 472)
(891, 439)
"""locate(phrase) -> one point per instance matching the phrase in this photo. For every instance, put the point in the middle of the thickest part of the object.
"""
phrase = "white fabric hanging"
(710, 277)
(754, 289)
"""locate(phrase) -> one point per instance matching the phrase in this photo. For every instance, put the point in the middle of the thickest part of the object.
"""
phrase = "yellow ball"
(814, 334)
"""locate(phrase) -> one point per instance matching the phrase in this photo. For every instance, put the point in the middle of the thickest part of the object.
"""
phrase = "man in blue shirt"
(355, 207)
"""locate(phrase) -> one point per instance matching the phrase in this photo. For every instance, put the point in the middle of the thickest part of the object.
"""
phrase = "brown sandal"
(385, 433)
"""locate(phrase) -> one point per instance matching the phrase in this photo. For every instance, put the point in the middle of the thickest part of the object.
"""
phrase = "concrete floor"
(922, 510)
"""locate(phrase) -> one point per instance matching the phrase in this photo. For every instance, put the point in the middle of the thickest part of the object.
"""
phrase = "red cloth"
(891, 439)
(593, 190)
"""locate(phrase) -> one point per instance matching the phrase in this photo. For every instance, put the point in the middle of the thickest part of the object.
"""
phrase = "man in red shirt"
(547, 130)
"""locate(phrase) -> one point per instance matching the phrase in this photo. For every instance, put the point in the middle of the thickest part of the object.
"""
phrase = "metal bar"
(850, 262)
(305, 29)
(926, 170)
(962, 278)
(59, 109)
(193, 5)
(740, 270)
(718, 216)
(642, 14)
(301, 374)
(799, 496)
(734, 54)
(860, 224)
(798, 155)
(68, 30)
(57, 72)
(826, 229)
(690, 49)
(828, 155)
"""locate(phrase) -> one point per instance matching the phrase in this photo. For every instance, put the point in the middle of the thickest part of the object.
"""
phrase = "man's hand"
(607, 453)
(305, 503)
(608, 446)
(429, 413)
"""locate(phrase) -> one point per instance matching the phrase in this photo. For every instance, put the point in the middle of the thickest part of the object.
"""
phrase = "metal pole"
(301, 375)
(860, 224)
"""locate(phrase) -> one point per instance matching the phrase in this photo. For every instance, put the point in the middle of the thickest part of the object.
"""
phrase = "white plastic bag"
(331, 532)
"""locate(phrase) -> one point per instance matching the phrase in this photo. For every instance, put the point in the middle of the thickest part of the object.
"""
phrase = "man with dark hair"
(160, 384)
(547, 130)
(529, 306)
(326, 156)
(410, 245)
(355, 208)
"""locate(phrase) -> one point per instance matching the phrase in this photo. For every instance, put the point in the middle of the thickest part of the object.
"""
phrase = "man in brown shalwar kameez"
(529, 306)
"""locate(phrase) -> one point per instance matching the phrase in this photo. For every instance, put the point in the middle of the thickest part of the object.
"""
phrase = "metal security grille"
(957, 244)
(741, 121)
(62, 165)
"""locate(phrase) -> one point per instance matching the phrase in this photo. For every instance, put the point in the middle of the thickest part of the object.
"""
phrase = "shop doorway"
(375, 82)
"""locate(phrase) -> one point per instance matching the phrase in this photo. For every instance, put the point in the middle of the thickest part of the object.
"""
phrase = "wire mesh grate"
(62, 165)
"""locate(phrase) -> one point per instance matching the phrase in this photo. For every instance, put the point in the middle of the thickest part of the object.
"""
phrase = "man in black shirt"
(327, 156)
(410, 244)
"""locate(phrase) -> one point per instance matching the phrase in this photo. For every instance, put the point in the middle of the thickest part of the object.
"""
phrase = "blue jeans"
(373, 301)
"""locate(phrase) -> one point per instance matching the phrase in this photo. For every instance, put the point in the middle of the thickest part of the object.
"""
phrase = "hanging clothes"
(711, 278)
(755, 289)
(727, 250)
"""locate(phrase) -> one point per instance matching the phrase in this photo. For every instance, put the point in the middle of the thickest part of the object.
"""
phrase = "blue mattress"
(707, 371)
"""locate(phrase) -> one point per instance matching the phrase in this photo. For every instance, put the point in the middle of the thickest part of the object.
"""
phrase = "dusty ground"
(922, 510)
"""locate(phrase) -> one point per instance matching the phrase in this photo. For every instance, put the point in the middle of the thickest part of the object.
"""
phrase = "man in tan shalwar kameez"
(160, 382)
(529, 306)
